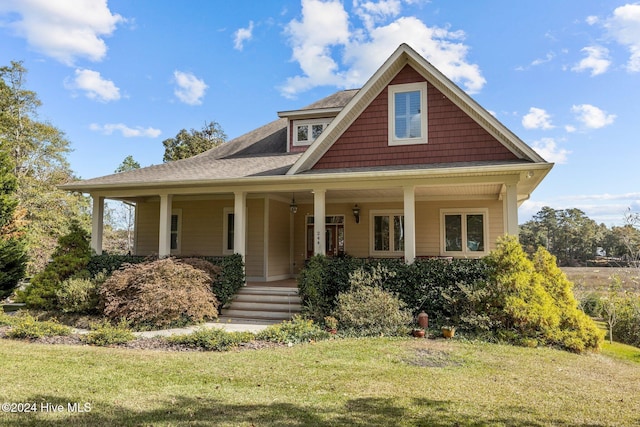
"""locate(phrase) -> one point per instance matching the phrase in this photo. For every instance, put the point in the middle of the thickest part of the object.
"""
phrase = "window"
(387, 233)
(408, 114)
(307, 131)
(464, 232)
(228, 231)
(176, 230)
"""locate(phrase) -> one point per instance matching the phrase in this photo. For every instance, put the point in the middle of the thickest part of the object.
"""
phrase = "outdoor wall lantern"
(293, 207)
(356, 213)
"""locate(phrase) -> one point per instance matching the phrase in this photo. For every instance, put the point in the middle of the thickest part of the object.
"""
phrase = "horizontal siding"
(278, 235)
(255, 255)
(453, 136)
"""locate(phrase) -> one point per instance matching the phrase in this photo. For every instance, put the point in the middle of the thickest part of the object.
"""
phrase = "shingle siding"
(453, 136)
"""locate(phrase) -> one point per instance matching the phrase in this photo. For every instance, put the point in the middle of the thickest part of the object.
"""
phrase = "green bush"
(212, 339)
(627, 327)
(158, 294)
(79, 295)
(107, 263)
(368, 310)
(104, 334)
(7, 320)
(69, 259)
(27, 327)
(298, 330)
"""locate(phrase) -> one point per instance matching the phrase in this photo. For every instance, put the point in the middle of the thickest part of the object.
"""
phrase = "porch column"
(511, 209)
(319, 229)
(97, 222)
(240, 223)
(409, 224)
(164, 242)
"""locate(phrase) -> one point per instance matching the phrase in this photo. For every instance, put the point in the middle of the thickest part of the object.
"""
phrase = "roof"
(263, 151)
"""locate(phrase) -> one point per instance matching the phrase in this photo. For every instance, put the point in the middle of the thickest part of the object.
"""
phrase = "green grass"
(365, 382)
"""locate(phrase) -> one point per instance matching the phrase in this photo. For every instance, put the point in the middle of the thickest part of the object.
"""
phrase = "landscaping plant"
(159, 294)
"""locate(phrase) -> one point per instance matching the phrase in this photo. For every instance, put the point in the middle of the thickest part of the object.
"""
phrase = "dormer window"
(408, 114)
(307, 131)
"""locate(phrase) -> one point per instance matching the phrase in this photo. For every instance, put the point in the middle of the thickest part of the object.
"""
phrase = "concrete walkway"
(226, 323)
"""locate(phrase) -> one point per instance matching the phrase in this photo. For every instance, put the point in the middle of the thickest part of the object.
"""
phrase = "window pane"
(407, 115)
(453, 232)
(230, 231)
(475, 233)
(316, 130)
(398, 233)
(381, 233)
(303, 133)
(174, 232)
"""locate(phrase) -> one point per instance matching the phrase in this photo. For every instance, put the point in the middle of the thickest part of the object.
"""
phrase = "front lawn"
(362, 382)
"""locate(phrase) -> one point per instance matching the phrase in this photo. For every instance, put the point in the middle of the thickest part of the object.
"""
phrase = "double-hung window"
(407, 114)
(176, 230)
(307, 131)
(387, 230)
(228, 231)
(464, 232)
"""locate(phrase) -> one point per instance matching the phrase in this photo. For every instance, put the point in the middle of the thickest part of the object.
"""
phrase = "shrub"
(70, 257)
(627, 327)
(161, 293)
(230, 279)
(295, 331)
(107, 263)
(79, 295)
(6, 320)
(27, 327)
(368, 310)
(212, 339)
(104, 334)
(533, 300)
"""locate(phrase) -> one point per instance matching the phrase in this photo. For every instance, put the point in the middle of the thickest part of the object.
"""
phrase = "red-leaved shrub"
(158, 294)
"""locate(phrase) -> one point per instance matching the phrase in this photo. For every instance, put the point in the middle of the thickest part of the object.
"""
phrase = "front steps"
(264, 303)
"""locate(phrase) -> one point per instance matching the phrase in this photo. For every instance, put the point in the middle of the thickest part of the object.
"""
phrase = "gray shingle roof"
(261, 152)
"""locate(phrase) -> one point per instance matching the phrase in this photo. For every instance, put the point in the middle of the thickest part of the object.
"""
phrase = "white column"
(319, 229)
(240, 223)
(97, 222)
(409, 224)
(511, 210)
(164, 242)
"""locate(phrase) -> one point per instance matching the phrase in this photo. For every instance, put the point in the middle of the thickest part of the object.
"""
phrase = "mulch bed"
(155, 343)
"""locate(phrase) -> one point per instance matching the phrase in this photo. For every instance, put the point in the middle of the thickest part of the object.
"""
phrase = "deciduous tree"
(190, 143)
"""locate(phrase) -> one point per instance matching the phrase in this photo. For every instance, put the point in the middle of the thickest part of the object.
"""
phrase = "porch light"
(356, 213)
(293, 207)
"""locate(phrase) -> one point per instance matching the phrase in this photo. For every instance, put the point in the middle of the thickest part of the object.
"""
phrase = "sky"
(118, 77)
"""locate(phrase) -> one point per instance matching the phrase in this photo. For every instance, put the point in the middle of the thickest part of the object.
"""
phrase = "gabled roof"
(402, 56)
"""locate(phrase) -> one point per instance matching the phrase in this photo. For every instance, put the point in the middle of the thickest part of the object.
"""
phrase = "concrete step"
(264, 303)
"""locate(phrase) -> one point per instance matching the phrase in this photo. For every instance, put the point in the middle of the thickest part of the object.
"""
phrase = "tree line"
(575, 239)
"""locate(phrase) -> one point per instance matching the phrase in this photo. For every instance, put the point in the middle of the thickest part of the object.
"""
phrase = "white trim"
(392, 90)
(463, 212)
(372, 232)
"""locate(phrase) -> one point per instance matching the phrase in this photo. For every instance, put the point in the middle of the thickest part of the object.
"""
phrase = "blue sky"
(119, 77)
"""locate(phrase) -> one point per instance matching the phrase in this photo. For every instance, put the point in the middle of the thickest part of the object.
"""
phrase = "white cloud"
(190, 89)
(592, 117)
(624, 27)
(125, 130)
(597, 60)
(549, 150)
(537, 118)
(592, 20)
(94, 85)
(331, 50)
(64, 30)
(242, 35)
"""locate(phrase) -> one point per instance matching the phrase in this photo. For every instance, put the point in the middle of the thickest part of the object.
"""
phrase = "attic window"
(408, 114)
(307, 131)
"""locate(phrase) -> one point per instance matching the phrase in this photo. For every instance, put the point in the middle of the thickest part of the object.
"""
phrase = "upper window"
(307, 131)
(387, 233)
(408, 114)
(464, 232)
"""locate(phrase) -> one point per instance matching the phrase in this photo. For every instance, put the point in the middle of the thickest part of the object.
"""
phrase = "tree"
(12, 252)
(121, 217)
(37, 151)
(190, 143)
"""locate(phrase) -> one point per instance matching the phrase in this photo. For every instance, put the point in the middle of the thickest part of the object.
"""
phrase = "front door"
(334, 235)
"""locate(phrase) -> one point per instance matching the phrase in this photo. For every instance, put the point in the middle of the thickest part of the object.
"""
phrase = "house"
(407, 166)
